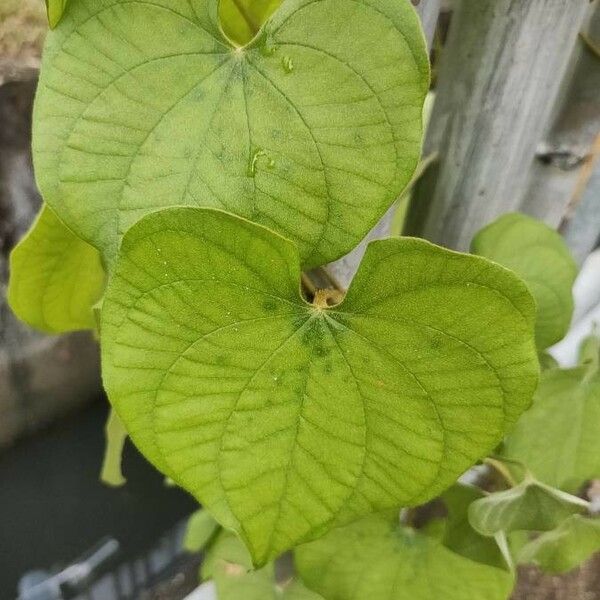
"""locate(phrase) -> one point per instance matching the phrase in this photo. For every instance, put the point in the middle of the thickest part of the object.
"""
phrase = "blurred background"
(536, 79)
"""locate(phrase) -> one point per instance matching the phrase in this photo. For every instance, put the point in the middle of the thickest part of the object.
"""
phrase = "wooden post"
(343, 270)
(562, 156)
(498, 76)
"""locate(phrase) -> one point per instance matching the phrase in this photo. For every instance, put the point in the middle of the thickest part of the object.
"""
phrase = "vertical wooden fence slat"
(556, 173)
(499, 73)
(582, 231)
(343, 270)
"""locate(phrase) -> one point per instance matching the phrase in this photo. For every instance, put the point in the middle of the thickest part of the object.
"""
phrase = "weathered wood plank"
(499, 74)
(561, 158)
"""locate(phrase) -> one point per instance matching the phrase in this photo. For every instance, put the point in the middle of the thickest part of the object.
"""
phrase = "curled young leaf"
(541, 257)
(529, 506)
(566, 547)
(557, 438)
(286, 419)
(55, 277)
(378, 559)
(312, 129)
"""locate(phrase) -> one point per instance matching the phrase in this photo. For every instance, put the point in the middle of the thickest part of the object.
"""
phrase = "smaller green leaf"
(566, 547)
(460, 537)
(378, 559)
(530, 506)
(557, 438)
(55, 9)
(115, 434)
(55, 277)
(241, 20)
(540, 256)
(200, 529)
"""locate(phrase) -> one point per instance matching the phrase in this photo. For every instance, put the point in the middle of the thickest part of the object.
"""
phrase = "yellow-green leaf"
(55, 277)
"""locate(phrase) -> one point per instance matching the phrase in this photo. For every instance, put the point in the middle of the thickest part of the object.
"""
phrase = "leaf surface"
(312, 130)
(529, 506)
(377, 559)
(541, 257)
(284, 418)
(566, 547)
(55, 277)
(557, 438)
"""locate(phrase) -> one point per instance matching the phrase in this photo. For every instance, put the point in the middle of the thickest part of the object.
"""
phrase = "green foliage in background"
(540, 256)
(566, 547)
(529, 506)
(558, 437)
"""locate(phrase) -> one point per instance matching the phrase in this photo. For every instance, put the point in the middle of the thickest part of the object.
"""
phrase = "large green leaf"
(541, 257)
(563, 549)
(314, 129)
(242, 19)
(285, 418)
(55, 9)
(377, 559)
(558, 437)
(529, 506)
(55, 277)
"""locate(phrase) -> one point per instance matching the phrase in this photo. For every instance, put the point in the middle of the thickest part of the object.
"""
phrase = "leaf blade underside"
(285, 419)
(311, 130)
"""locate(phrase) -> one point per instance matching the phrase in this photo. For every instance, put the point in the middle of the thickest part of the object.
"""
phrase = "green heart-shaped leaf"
(557, 438)
(541, 257)
(242, 19)
(55, 9)
(529, 506)
(284, 418)
(313, 129)
(559, 551)
(55, 277)
(377, 559)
